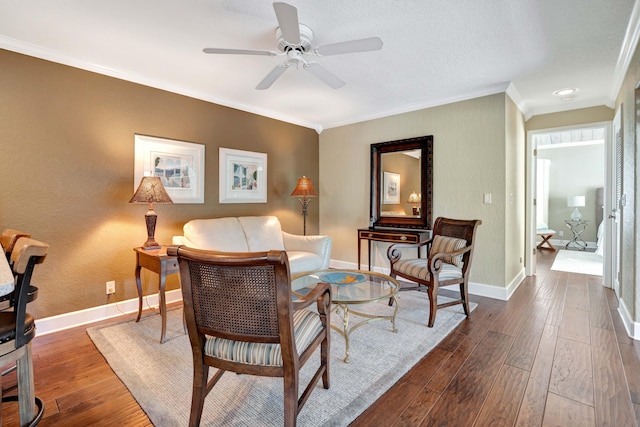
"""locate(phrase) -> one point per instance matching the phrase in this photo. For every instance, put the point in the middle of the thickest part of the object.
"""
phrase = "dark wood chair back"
(246, 297)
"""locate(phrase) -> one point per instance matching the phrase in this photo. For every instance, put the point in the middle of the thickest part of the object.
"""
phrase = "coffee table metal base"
(347, 329)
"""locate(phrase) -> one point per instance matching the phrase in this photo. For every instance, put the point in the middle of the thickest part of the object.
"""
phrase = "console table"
(577, 228)
(157, 261)
(390, 236)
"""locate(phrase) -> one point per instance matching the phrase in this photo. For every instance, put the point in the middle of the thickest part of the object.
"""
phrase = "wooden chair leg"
(324, 360)
(290, 398)
(464, 295)
(432, 291)
(200, 376)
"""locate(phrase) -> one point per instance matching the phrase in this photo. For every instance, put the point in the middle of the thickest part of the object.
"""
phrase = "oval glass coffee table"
(348, 288)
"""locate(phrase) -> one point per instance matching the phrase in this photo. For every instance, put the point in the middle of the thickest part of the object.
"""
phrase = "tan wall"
(570, 118)
(67, 146)
(469, 160)
(514, 192)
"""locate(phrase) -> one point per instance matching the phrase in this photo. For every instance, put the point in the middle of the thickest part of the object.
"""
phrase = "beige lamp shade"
(414, 198)
(151, 191)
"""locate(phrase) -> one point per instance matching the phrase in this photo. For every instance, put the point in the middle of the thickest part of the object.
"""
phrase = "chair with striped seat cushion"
(448, 262)
(241, 318)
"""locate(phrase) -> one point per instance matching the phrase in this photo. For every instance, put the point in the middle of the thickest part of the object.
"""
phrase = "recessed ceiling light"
(565, 92)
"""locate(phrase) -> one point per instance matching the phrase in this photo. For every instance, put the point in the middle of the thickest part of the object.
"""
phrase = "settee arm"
(320, 245)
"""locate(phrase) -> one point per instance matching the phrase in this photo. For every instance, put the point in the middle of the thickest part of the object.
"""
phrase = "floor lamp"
(151, 191)
(304, 190)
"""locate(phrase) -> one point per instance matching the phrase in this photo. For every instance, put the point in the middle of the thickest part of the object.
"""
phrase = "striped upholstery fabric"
(448, 244)
(306, 326)
(418, 268)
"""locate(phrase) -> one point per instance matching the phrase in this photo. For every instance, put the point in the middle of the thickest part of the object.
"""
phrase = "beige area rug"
(578, 262)
(159, 376)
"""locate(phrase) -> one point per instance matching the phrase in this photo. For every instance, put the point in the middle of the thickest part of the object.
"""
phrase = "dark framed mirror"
(401, 183)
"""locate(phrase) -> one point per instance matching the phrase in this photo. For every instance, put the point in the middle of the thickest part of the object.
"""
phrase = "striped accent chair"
(240, 317)
(448, 262)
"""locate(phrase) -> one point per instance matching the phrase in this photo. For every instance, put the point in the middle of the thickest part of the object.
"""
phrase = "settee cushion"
(222, 234)
(262, 233)
(257, 234)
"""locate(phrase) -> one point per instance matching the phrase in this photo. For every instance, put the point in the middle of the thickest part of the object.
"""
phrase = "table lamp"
(305, 190)
(151, 191)
(576, 202)
(415, 199)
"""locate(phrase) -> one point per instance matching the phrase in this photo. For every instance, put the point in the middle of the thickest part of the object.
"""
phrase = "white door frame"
(530, 193)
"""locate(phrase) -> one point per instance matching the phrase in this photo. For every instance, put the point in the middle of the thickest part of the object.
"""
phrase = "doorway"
(566, 192)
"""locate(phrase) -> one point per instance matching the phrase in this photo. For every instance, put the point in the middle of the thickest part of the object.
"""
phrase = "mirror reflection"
(401, 189)
(401, 183)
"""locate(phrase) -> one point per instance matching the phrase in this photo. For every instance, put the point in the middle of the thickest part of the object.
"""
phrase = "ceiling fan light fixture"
(294, 40)
(566, 92)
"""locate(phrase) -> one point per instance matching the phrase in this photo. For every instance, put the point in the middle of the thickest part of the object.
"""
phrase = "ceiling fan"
(295, 40)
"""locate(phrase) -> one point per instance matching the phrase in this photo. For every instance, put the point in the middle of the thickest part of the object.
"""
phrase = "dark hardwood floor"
(556, 353)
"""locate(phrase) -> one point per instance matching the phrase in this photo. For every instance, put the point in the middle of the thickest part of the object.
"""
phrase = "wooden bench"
(546, 234)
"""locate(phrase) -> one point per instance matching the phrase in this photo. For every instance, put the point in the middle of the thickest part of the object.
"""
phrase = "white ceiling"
(434, 52)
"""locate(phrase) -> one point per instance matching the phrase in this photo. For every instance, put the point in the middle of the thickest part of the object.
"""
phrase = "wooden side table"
(390, 236)
(157, 261)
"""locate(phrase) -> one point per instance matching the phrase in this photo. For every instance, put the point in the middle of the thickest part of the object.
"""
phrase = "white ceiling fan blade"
(272, 76)
(323, 74)
(240, 51)
(362, 45)
(288, 21)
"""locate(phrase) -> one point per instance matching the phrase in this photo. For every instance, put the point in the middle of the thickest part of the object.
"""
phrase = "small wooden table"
(390, 236)
(157, 261)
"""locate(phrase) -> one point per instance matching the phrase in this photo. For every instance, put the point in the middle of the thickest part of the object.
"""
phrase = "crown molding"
(60, 58)
(627, 51)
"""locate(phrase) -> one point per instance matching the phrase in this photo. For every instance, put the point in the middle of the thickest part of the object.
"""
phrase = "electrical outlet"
(561, 233)
(111, 287)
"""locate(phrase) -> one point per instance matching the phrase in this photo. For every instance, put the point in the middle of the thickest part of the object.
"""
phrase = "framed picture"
(391, 195)
(243, 176)
(179, 164)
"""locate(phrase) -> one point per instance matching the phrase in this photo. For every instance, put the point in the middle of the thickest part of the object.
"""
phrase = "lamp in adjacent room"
(151, 191)
(576, 202)
(415, 199)
(304, 190)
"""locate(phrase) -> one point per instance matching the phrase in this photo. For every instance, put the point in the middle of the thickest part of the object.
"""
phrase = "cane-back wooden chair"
(448, 262)
(240, 317)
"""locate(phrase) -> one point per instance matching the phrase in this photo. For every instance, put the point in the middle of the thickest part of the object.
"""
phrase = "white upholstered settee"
(257, 234)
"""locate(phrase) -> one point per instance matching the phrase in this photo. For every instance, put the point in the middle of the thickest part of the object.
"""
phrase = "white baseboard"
(64, 321)
(632, 328)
